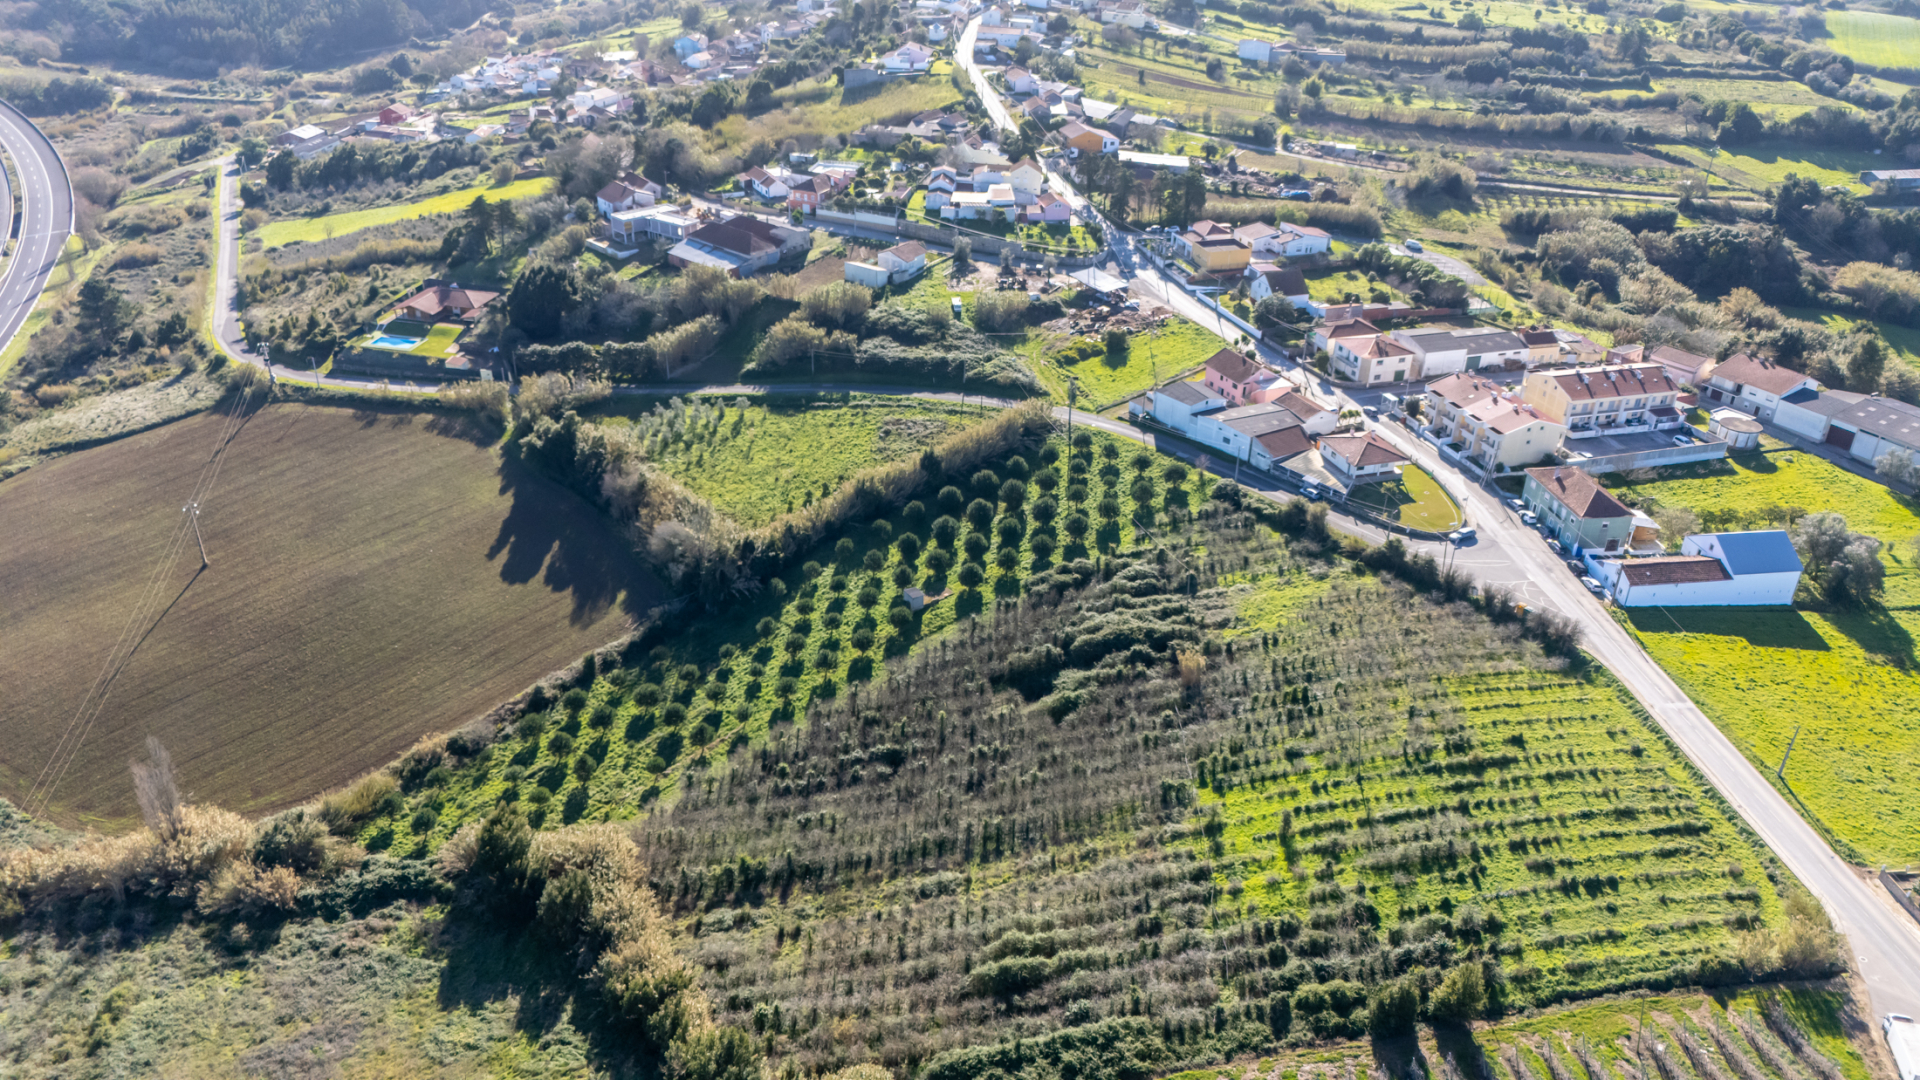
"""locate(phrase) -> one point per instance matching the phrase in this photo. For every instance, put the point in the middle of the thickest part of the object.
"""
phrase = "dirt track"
(375, 577)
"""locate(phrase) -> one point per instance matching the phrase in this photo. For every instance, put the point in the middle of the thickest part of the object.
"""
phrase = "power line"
(93, 703)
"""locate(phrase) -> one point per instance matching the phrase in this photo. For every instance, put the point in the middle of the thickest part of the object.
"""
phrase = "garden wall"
(943, 235)
(394, 365)
(1647, 459)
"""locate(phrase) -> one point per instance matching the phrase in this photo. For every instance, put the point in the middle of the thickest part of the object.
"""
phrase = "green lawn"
(781, 455)
(1152, 358)
(1880, 40)
(1416, 500)
(280, 233)
(1849, 681)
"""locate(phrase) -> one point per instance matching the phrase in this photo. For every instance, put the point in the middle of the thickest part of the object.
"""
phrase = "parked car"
(1529, 519)
(958, 308)
(1593, 586)
(1554, 546)
(1296, 194)
(1414, 245)
(1461, 536)
(1682, 440)
(1312, 492)
(1517, 504)
(1579, 568)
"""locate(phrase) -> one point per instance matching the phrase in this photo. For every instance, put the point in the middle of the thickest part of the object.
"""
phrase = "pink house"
(1232, 376)
(1047, 209)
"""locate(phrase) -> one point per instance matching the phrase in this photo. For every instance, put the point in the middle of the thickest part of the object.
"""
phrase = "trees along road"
(1885, 940)
(46, 218)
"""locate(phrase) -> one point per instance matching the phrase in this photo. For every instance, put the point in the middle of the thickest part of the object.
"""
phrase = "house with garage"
(1362, 459)
(1270, 280)
(1752, 385)
(442, 301)
(1487, 423)
(910, 58)
(1875, 426)
(1712, 570)
(1177, 403)
(806, 193)
(901, 262)
(667, 222)
(307, 140)
(1583, 516)
(1293, 241)
(1809, 413)
(1443, 350)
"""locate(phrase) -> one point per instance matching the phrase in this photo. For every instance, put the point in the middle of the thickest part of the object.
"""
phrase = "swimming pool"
(394, 342)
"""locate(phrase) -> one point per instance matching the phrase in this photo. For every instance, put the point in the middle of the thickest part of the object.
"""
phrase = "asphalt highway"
(46, 219)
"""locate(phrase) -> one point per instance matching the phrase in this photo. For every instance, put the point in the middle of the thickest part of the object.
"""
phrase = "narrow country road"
(46, 219)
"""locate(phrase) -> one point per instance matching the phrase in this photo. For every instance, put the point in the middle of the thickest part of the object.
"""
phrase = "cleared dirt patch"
(375, 576)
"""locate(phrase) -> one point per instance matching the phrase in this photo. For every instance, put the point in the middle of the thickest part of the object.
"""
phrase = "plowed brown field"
(374, 577)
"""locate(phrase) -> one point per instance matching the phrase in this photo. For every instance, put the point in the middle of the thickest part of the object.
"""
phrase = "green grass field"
(1760, 166)
(1416, 500)
(281, 233)
(376, 575)
(780, 454)
(1874, 38)
(1848, 680)
(1153, 358)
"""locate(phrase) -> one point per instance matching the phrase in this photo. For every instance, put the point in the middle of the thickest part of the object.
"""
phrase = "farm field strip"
(450, 581)
(1875, 38)
(286, 231)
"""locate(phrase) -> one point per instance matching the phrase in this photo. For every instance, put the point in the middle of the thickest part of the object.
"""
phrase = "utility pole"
(192, 510)
(1780, 773)
(1073, 394)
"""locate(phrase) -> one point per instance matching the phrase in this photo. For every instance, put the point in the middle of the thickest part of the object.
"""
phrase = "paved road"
(46, 219)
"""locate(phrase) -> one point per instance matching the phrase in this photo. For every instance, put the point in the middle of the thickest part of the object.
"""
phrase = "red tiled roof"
(1579, 491)
(1743, 370)
(1590, 384)
(1363, 450)
(441, 297)
(1232, 366)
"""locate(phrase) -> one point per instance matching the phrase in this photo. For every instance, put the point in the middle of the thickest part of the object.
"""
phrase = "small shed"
(1742, 432)
(916, 600)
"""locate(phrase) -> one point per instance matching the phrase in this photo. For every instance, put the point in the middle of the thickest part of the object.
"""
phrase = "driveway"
(1445, 262)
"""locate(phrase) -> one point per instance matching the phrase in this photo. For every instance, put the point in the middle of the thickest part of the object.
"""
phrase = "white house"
(994, 16)
(904, 261)
(985, 176)
(1296, 240)
(1712, 570)
(910, 57)
(1809, 413)
(630, 191)
(1027, 177)
(699, 61)
(1021, 81)
(764, 184)
(1270, 280)
(1256, 49)
(1362, 459)
(1128, 13)
(1752, 385)
(967, 205)
(668, 222)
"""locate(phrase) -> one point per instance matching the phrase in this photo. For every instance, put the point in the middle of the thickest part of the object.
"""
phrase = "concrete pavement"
(46, 219)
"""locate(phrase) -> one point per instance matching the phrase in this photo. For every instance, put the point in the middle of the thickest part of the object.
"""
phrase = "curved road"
(46, 219)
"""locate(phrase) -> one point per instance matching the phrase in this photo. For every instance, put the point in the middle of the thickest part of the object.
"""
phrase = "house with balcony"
(1753, 385)
(1370, 358)
(1488, 424)
(1606, 400)
(1584, 516)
